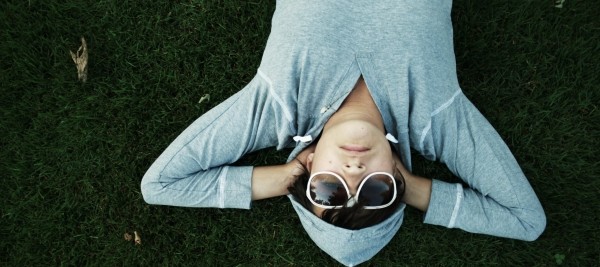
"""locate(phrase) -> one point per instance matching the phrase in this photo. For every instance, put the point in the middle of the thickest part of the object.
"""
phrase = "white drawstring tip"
(391, 138)
(303, 139)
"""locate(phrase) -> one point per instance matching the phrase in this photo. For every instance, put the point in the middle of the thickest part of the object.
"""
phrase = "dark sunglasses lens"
(378, 190)
(328, 190)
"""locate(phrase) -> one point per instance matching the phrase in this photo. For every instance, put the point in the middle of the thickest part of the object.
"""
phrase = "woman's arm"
(196, 168)
(498, 200)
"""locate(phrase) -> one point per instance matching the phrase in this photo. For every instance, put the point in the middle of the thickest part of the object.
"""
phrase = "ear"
(309, 161)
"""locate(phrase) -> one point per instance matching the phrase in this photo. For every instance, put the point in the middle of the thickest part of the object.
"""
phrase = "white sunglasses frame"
(352, 199)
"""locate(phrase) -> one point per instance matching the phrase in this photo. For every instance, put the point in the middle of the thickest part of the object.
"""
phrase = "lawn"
(73, 153)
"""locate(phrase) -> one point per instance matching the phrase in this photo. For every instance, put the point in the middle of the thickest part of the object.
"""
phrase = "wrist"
(417, 192)
(274, 180)
(268, 181)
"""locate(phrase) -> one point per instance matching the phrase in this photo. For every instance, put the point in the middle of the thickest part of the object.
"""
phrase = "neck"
(359, 105)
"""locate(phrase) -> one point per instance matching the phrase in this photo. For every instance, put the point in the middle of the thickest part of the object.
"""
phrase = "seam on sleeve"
(286, 112)
(424, 133)
(459, 197)
(222, 186)
(435, 112)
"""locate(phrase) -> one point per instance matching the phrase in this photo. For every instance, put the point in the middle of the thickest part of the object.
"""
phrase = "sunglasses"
(329, 191)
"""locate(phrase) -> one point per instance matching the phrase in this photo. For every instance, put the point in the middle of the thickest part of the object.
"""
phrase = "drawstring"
(303, 139)
(308, 138)
(391, 138)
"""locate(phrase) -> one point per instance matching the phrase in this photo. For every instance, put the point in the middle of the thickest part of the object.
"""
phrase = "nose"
(353, 162)
(353, 171)
(353, 167)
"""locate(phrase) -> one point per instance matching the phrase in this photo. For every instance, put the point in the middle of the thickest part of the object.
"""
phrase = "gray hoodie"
(314, 56)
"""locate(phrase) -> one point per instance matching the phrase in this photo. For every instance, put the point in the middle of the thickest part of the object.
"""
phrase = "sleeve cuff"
(444, 204)
(236, 188)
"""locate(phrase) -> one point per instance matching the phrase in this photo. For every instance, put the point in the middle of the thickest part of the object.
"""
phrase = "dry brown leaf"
(128, 237)
(204, 97)
(138, 239)
(81, 59)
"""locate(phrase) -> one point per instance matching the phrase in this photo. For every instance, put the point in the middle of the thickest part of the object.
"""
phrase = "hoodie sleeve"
(499, 200)
(195, 170)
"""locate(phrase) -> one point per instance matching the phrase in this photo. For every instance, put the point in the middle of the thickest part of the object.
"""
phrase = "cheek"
(382, 164)
(323, 161)
(324, 164)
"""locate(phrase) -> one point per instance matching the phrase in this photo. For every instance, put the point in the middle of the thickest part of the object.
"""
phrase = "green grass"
(72, 154)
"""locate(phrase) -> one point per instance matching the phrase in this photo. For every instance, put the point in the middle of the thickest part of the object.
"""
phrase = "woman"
(352, 87)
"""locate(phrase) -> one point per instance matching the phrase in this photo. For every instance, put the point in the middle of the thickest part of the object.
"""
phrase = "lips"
(355, 148)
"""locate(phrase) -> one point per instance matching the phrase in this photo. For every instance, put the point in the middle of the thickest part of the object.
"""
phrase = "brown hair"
(354, 217)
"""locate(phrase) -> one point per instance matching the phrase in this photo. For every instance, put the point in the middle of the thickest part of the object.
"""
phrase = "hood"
(349, 247)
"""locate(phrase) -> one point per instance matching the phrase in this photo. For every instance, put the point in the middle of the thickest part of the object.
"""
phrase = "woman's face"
(353, 149)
